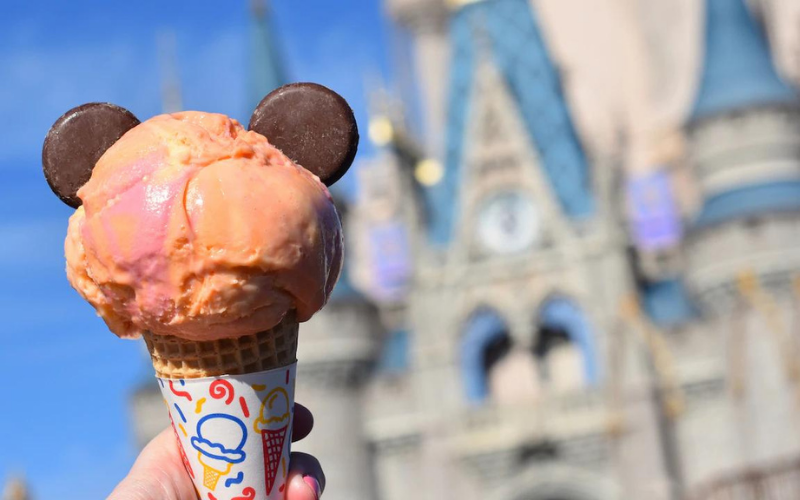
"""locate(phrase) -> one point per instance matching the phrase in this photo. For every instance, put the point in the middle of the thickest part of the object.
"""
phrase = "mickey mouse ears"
(311, 124)
(76, 141)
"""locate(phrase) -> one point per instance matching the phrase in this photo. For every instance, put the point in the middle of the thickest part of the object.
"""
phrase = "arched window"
(564, 346)
(484, 344)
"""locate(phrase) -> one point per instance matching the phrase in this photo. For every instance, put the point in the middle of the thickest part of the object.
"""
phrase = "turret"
(744, 150)
(336, 351)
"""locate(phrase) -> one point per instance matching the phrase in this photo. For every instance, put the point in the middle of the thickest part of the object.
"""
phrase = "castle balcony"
(745, 148)
(717, 256)
(776, 481)
(550, 417)
(572, 426)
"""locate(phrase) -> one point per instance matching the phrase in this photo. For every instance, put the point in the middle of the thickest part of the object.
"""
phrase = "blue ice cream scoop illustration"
(219, 442)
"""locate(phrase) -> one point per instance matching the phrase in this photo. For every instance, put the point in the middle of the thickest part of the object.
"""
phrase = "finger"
(158, 474)
(308, 468)
(302, 488)
(303, 422)
(312, 125)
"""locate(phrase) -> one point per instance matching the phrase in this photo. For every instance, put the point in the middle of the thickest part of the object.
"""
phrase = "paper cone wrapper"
(234, 432)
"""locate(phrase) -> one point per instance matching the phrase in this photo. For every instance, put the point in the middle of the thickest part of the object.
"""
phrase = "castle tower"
(520, 270)
(335, 355)
(741, 247)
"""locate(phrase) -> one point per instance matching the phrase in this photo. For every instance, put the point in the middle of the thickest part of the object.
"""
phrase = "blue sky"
(66, 380)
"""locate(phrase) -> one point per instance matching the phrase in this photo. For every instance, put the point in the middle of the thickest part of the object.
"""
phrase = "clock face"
(508, 223)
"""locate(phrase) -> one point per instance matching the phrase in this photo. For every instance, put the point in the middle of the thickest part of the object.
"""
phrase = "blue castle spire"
(267, 70)
(738, 71)
(520, 53)
(738, 74)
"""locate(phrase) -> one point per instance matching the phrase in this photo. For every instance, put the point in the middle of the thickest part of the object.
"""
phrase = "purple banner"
(655, 221)
(391, 260)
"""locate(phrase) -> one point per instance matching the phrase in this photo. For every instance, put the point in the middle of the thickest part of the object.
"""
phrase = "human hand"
(158, 473)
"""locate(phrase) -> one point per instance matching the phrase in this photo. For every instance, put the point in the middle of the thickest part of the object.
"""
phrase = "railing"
(711, 266)
(493, 426)
(549, 417)
(544, 406)
(777, 481)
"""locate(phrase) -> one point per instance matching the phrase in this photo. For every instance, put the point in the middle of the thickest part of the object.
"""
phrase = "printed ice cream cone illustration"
(213, 469)
(219, 443)
(273, 424)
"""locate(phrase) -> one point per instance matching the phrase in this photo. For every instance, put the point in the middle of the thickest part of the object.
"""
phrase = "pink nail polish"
(312, 482)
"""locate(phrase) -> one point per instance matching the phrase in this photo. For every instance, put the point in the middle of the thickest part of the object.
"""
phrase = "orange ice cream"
(192, 226)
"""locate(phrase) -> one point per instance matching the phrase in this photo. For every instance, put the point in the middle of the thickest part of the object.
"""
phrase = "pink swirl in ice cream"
(192, 226)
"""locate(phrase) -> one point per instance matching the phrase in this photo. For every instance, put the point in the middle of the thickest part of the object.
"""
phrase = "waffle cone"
(177, 358)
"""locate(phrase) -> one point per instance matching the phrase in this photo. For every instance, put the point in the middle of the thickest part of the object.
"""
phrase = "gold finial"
(630, 308)
(747, 282)
(615, 424)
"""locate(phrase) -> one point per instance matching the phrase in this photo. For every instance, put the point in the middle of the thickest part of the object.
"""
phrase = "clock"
(508, 223)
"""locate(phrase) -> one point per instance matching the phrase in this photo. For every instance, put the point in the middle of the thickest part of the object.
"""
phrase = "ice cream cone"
(213, 387)
(237, 237)
(210, 477)
(177, 358)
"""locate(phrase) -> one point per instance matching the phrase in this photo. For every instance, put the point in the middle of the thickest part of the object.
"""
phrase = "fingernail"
(312, 482)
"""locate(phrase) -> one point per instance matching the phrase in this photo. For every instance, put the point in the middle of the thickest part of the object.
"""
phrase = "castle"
(526, 316)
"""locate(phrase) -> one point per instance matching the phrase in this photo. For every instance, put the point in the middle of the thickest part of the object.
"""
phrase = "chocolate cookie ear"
(312, 125)
(76, 141)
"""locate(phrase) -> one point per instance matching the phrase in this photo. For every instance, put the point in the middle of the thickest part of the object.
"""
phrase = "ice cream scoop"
(194, 227)
(191, 226)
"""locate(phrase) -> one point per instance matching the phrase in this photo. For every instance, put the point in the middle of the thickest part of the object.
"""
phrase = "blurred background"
(573, 238)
